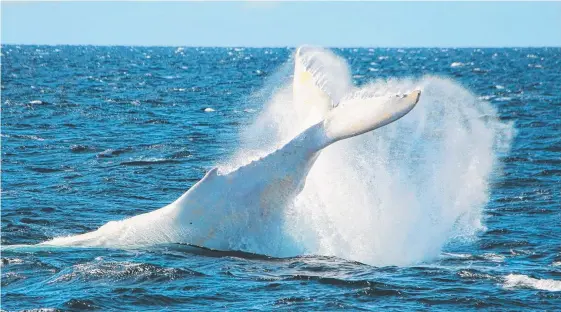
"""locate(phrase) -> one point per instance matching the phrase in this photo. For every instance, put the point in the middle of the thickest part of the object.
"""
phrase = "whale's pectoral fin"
(359, 115)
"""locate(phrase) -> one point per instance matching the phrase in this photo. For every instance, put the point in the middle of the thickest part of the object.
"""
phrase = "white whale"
(222, 210)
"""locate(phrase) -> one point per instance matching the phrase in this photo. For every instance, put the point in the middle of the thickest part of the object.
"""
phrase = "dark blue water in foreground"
(93, 134)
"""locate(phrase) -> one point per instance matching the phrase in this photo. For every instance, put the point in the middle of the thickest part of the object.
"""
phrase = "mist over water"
(394, 196)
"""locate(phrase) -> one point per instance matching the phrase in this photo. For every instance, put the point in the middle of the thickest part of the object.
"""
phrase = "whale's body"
(222, 210)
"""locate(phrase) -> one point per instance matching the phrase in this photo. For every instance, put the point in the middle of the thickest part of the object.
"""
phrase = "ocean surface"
(457, 206)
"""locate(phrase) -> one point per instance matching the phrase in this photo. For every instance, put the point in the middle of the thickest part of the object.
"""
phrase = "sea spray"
(393, 196)
(396, 195)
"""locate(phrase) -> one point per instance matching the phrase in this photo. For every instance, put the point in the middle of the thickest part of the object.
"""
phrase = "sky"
(271, 24)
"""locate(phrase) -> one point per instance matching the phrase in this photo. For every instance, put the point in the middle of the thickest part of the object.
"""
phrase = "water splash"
(524, 281)
(396, 195)
(393, 196)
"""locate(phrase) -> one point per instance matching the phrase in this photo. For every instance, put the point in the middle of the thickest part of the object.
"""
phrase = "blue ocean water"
(94, 134)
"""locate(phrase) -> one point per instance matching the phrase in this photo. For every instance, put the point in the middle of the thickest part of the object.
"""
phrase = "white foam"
(524, 281)
(457, 64)
(456, 255)
(30, 137)
(494, 257)
(503, 99)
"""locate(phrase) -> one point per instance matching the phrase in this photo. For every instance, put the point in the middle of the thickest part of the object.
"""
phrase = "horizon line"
(276, 47)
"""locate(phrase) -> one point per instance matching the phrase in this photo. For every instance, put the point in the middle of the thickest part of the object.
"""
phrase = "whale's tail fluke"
(357, 116)
(315, 72)
(317, 77)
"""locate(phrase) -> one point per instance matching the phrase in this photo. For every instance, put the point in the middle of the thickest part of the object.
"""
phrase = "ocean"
(456, 206)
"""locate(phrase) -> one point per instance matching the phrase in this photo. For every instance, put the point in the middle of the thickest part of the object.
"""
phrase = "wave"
(148, 162)
(22, 136)
(524, 281)
(121, 271)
